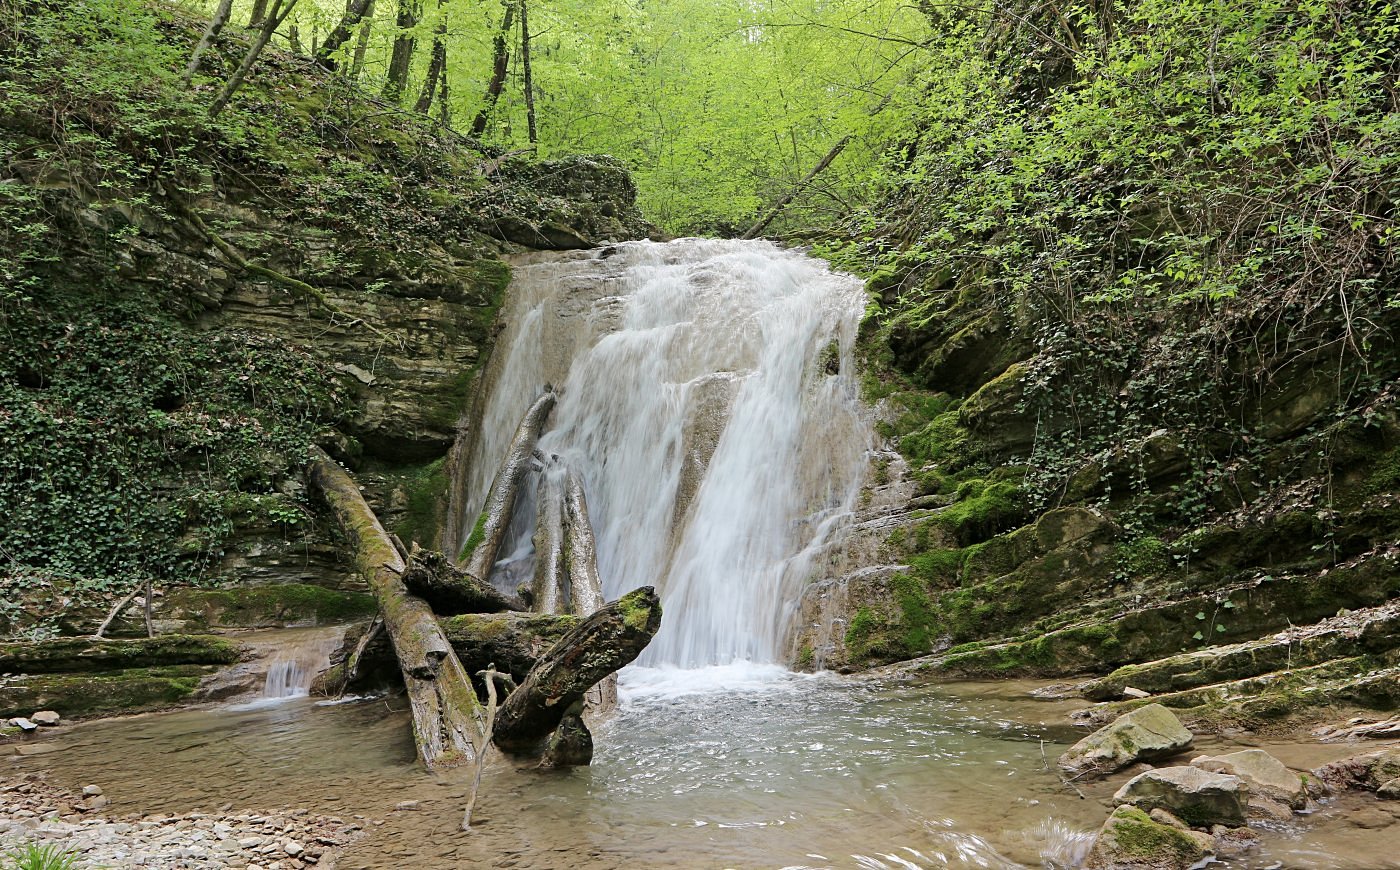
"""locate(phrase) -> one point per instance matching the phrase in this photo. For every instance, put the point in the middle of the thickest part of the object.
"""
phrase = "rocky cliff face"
(190, 304)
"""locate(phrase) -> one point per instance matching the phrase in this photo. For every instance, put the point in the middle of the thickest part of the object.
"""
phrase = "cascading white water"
(706, 395)
(299, 656)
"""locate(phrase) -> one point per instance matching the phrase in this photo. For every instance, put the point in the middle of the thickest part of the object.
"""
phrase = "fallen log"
(549, 593)
(604, 642)
(479, 552)
(586, 591)
(70, 654)
(513, 642)
(447, 718)
(449, 590)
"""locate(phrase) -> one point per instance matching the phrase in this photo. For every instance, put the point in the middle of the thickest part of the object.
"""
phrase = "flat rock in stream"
(1266, 775)
(1196, 796)
(1147, 733)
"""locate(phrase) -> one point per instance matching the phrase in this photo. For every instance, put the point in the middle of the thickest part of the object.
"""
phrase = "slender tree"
(355, 10)
(405, 44)
(357, 62)
(216, 24)
(501, 66)
(277, 12)
(258, 15)
(525, 67)
(437, 67)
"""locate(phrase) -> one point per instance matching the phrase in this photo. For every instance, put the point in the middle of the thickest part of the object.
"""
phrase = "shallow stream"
(721, 767)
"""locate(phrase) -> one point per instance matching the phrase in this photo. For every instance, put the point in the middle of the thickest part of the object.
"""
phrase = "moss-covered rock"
(1131, 840)
(64, 655)
(283, 605)
(80, 696)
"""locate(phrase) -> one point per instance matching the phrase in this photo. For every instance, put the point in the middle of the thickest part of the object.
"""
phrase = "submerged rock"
(1131, 840)
(1144, 734)
(1196, 796)
(1266, 775)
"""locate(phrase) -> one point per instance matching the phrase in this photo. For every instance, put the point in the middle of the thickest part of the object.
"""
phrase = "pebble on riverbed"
(33, 811)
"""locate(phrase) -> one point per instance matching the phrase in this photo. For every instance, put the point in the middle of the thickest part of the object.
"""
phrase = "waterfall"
(707, 396)
(298, 657)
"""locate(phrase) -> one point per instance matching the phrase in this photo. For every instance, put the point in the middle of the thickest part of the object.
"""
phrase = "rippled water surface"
(727, 767)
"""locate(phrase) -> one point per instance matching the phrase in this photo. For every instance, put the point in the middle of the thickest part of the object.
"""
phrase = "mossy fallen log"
(513, 642)
(447, 721)
(84, 654)
(449, 590)
(602, 643)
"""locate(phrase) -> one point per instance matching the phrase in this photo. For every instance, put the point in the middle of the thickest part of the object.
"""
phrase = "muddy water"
(728, 767)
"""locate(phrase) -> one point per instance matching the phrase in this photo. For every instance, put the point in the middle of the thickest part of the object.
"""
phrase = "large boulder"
(1147, 733)
(1266, 775)
(1371, 771)
(1198, 797)
(1130, 840)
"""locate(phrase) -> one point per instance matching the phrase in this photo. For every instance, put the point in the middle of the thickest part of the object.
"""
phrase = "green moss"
(424, 492)
(475, 538)
(282, 604)
(639, 609)
(1385, 473)
(984, 509)
(1137, 837)
(77, 696)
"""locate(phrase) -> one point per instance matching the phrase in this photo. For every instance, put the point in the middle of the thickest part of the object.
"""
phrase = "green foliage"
(123, 432)
(34, 856)
(424, 493)
(984, 508)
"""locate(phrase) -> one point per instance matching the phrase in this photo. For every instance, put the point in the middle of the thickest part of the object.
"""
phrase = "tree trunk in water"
(275, 16)
(585, 585)
(525, 68)
(447, 720)
(355, 10)
(401, 59)
(549, 594)
(498, 72)
(479, 552)
(450, 590)
(216, 24)
(513, 642)
(605, 641)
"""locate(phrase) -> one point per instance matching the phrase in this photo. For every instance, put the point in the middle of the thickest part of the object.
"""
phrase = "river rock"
(1389, 790)
(22, 724)
(1266, 775)
(1130, 840)
(46, 718)
(1135, 694)
(1197, 796)
(1369, 771)
(1146, 733)
(35, 748)
(91, 790)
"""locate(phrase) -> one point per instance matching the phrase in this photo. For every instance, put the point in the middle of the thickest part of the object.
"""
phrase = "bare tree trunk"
(585, 585)
(216, 24)
(607, 640)
(294, 37)
(275, 16)
(355, 10)
(498, 72)
(357, 63)
(447, 718)
(763, 222)
(116, 611)
(405, 44)
(444, 106)
(437, 71)
(479, 552)
(549, 592)
(525, 67)
(258, 15)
